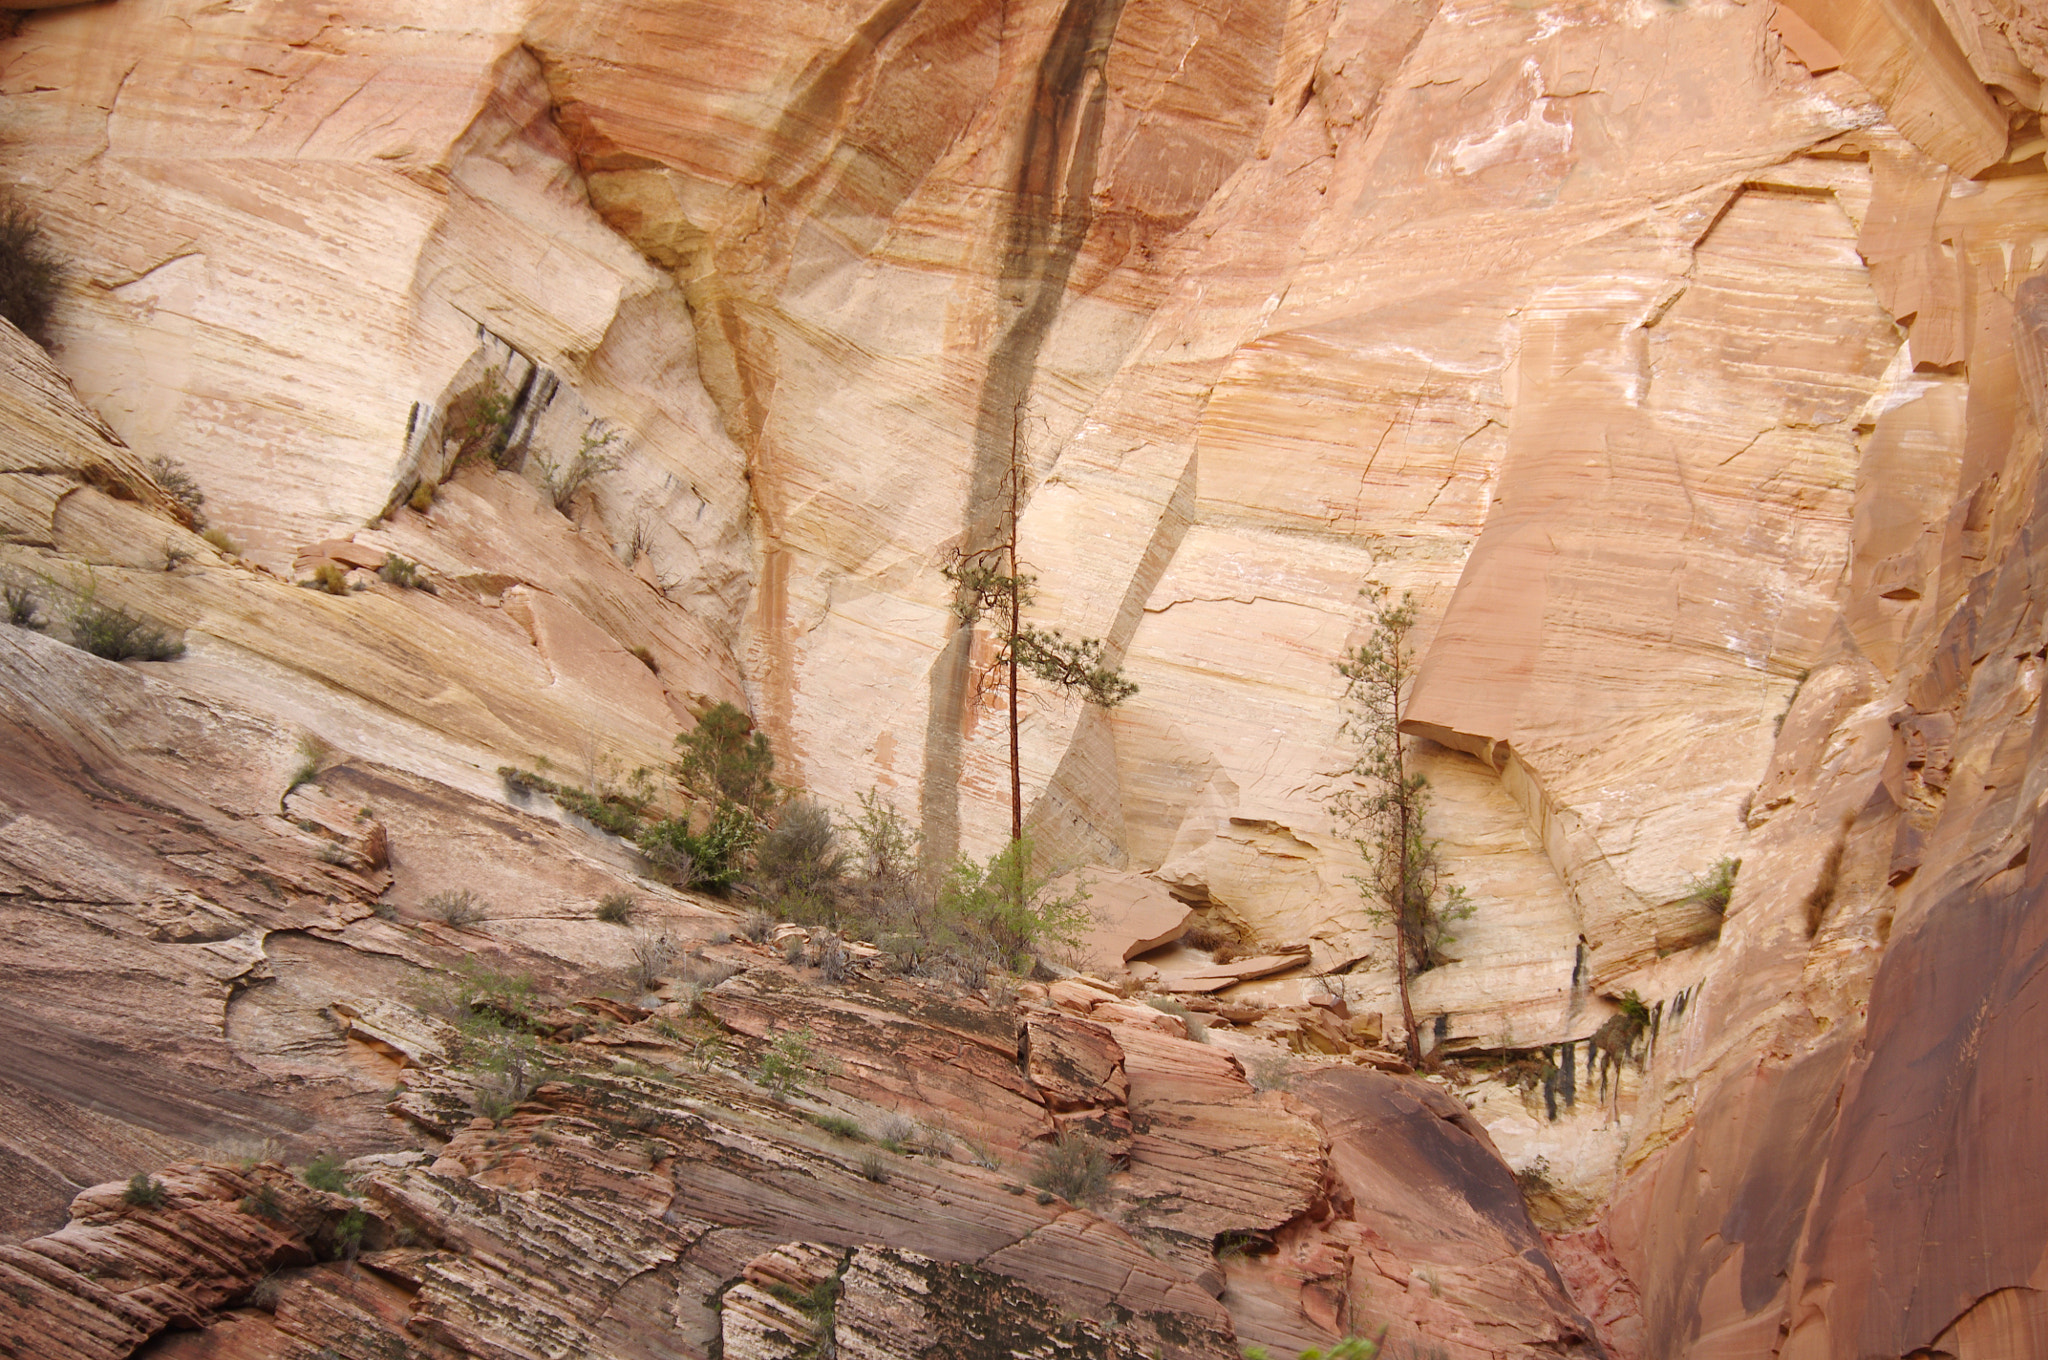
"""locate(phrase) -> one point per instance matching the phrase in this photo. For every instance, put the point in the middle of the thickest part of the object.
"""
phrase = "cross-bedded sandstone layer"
(1682, 359)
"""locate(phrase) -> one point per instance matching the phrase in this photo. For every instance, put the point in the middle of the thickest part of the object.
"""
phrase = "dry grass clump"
(456, 907)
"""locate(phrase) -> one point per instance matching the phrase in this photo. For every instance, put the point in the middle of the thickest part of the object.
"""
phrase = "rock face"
(1687, 363)
(662, 1203)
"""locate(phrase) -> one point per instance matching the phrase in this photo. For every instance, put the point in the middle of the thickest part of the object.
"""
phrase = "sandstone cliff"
(1686, 361)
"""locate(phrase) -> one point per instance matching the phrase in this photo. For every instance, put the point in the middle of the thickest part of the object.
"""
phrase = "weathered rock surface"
(1687, 363)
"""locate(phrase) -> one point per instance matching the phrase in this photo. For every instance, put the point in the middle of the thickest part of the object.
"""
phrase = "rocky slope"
(1685, 361)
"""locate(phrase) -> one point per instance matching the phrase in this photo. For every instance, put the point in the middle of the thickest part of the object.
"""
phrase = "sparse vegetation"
(21, 606)
(348, 1234)
(1534, 1179)
(422, 497)
(30, 276)
(266, 1294)
(597, 456)
(756, 925)
(1829, 882)
(616, 908)
(652, 953)
(790, 1064)
(1208, 936)
(221, 542)
(402, 572)
(1714, 888)
(713, 859)
(799, 864)
(1383, 803)
(1270, 1072)
(456, 907)
(324, 1173)
(312, 752)
(1350, 1348)
(819, 1305)
(264, 1203)
(839, 1126)
(114, 633)
(246, 1154)
(1618, 1035)
(874, 1167)
(493, 1015)
(1074, 1167)
(897, 1132)
(143, 1192)
(481, 420)
(1198, 1025)
(331, 577)
(834, 963)
(989, 582)
(1002, 909)
(724, 757)
(181, 487)
(645, 656)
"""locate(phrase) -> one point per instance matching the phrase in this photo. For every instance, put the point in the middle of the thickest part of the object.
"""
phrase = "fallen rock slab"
(1218, 976)
(1133, 914)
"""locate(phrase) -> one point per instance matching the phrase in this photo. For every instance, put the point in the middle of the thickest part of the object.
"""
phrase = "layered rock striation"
(1684, 362)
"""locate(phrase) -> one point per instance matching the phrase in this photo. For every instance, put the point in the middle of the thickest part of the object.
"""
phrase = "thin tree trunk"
(1405, 803)
(1016, 769)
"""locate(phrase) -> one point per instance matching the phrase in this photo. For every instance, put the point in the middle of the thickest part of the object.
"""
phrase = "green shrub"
(1714, 888)
(1003, 908)
(790, 1064)
(713, 860)
(617, 813)
(616, 908)
(30, 276)
(481, 419)
(1076, 1168)
(348, 1234)
(724, 757)
(839, 1126)
(117, 635)
(143, 1192)
(597, 456)
(799, 862)
(181, 487)
(324, 1173)
(455, 907)
(1350, 1348)
(264, 1204)
(521, 783)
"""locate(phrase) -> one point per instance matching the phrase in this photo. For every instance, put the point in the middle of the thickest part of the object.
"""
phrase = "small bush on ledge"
(456, 907)
(143, 1192)
(1714, 888)
(1076, 1168)
(117, 635)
